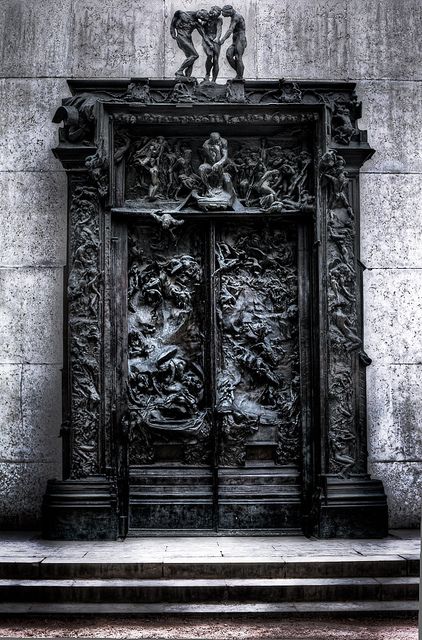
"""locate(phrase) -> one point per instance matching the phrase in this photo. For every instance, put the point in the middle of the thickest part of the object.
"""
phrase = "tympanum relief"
(218, 174)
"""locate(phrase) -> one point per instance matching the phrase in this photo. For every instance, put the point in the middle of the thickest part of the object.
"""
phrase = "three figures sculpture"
(209, 25)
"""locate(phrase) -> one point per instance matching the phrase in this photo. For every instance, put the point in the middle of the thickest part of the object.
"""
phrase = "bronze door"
(217, 372)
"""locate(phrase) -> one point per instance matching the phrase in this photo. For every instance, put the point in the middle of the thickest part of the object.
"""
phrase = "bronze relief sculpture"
(209, 25)
(215, 371)
(220, 174)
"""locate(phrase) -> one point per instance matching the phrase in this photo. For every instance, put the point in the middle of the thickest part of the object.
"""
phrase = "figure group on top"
(209, 25)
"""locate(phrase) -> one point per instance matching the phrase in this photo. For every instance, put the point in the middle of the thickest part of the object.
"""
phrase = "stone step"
(372, 608)
(210, 591)
(101, 567)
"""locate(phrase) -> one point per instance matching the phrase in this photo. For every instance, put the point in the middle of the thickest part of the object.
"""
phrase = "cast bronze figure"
(182, 26)
(236, 50)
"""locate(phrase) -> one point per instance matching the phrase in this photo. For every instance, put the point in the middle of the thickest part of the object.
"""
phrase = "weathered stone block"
(10, 405)
(392, 114)
(394, 411)
(30, 414)
(384, 39)
(31, 320)
(35, 38)
(33, 229)
(393, 315)
(391, 221)
(26, 129)
(403, 487)
(174, 56)
(327, 39)
(112, 39)
(22, 487)
(301, 39)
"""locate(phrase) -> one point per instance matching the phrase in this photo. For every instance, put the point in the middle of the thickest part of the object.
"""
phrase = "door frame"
(86, 503)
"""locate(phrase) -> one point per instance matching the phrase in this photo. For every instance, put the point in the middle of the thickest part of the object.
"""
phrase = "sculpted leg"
(240, 67)
(208, 67)
(186, 45)
(230, 55)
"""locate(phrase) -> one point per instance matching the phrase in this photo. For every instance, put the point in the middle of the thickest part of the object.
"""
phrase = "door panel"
(258, 377)
(170, 422)
(213, 378)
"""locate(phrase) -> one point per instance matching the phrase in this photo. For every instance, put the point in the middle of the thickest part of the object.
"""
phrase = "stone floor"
(30, 546)
(29, 550)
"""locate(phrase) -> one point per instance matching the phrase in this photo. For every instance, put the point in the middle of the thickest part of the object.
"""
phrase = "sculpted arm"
(219, 30)
(203, 34)
(229, 30)
(173, 26)
(224, 154)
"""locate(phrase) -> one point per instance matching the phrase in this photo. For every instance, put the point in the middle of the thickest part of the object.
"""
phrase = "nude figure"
(182, 26)
(212, 28)
(235, 52)
(215, 151)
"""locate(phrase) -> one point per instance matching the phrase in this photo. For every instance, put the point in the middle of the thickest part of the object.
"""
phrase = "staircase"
(330, 585)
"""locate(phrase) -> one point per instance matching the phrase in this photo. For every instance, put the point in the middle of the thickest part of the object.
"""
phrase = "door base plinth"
(355, 507)
(80, 510)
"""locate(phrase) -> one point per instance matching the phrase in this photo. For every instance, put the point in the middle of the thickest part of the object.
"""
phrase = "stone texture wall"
(376, 43)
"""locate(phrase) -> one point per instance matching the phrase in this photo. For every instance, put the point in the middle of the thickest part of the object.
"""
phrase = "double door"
(217, 366)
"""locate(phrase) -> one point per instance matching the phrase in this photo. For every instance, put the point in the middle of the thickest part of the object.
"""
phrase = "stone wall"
(375, 43)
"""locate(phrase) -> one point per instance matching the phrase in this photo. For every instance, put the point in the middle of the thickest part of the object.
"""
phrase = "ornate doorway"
(215, 376)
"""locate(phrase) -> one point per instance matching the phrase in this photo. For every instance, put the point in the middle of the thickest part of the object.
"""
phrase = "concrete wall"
(42, 43)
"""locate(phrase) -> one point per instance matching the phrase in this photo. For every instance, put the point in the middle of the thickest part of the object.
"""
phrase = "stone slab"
(330, 609)
(394, 411)
(393, 315)
(298, 39)
(392, 115)
(30, 413)
(329, 39)
(26, 129)
(54, 568)
(19, 507)
(33, 229)
(403, 487)
(173, 56)
(215, 590)
(10, 404)
(343, 566)
(25, 568)
(31, 321)
(117, 40)
(384, 39)
(391, 220)
(35, 38)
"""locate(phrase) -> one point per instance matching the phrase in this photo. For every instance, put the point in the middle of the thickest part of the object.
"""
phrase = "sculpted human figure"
(182, 26)
(236, 50)
(219, 193)
(216, 154)
(212, 28)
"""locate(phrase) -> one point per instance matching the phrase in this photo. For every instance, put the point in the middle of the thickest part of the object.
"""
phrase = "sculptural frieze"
(84, 339)
(219, 174)
(342, 314)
